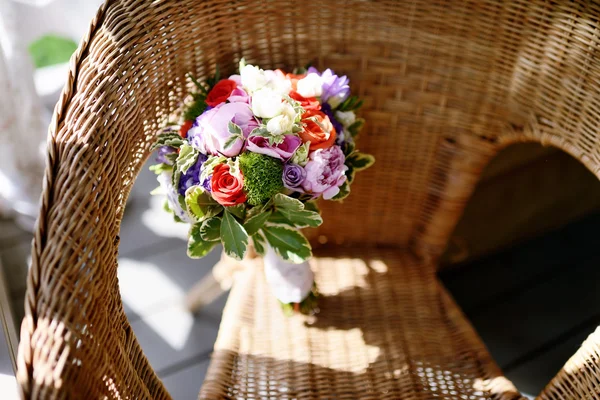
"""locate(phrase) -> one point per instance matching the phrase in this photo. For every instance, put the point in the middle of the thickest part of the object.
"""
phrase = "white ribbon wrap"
(290, 283)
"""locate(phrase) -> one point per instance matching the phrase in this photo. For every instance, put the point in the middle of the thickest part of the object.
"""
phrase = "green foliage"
(198, 104)
(357, 162)
(288, 243)
(171, 139)
(262, 177)
(344, 192)
(198, 247)
(233, 236)
(51, 50)
(200, 204)
(187, 157)
(352, 103)
(356, 127)
(255, 222)
(293, 211)
(195, 108)
(160, 168)
(210, 230)
(312, 206)
(259, 243)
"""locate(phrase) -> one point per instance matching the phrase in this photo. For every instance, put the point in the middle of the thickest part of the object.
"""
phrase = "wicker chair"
(447, 85)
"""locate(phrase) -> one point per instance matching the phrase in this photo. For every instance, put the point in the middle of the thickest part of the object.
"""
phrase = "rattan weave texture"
(447, 84)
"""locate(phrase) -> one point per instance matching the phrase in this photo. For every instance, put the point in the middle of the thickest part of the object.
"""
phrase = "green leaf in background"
(259, 243)
(344, 192)
(350, 104)
(288, 243)
(254, 223)
(197, 247)
(210, 230)
(160, 168)
(233, 236)
(357, 162)
(199, 203)
(360, 161)
(356, 127)
(51, 50)
(187, 157)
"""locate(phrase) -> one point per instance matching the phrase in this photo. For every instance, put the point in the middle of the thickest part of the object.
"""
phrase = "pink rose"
(325, 172)
(283, 151)
(211, 131)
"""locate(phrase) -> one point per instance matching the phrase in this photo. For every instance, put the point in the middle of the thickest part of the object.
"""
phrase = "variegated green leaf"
(233, 236)
(288, 243)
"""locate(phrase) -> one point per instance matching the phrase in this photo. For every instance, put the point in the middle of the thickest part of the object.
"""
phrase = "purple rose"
(161, 154)
(192, 175)
(211, 130)
(293, 176)
(325, 172)
(335, 88)
(283, 151)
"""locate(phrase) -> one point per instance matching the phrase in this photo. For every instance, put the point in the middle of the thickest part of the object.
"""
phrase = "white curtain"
(23, 115)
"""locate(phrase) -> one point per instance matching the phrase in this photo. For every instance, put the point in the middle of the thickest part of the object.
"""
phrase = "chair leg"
(204, 292)
(213, 285)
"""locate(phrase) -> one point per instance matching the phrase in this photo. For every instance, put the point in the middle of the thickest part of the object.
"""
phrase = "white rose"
(282, 123)
(310, 86)
(346, 118)
(277, 81)
(266, 103)
(253, 78)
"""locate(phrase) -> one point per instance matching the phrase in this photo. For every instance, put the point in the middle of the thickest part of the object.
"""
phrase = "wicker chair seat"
(398, 335)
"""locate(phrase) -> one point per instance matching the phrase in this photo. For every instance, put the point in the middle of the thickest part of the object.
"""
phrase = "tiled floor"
(533, 304)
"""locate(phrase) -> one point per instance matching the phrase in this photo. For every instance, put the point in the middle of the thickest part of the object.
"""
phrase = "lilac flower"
(161, 154)
(283, 151)
(293, 176)
(206, 184)
(326, 108)
(335, 88)
(325, 172)
(172, 196)
(192, 175)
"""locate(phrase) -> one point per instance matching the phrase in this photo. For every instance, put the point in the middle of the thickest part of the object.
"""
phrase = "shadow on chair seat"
(386, 329)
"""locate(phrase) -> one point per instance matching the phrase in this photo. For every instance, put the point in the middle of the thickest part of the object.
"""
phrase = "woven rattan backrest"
(447, 84)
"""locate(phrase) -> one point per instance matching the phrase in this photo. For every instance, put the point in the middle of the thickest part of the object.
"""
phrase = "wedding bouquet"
(248, 159)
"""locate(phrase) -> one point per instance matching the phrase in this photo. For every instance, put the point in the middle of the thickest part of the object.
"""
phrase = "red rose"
(227, 189)
(220, 92)
(310, 103)
(187, 125)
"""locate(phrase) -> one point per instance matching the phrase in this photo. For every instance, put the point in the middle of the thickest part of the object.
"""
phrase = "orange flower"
(294, 78)
(318, 130)
(310, 103)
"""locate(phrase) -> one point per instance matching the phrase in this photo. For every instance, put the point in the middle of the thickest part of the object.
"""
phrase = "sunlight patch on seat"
(146, 289)
(8, 387)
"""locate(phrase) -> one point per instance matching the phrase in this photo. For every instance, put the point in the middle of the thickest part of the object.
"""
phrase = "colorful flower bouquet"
(248, 159)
